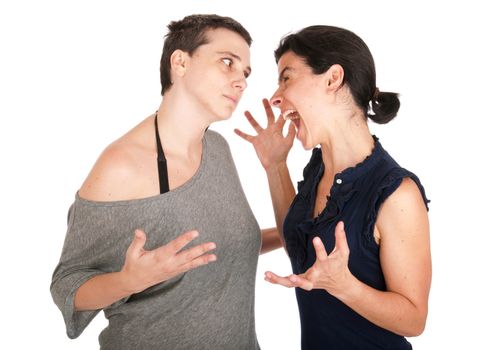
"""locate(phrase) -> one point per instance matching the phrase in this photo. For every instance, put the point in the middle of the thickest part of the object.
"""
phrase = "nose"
(276, 100)
(240, 83)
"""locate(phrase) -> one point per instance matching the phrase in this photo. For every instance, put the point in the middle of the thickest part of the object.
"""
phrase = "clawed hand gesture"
(145, 268)
(270, 144)
(329, 272)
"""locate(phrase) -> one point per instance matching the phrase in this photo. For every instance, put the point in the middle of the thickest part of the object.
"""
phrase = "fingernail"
(212, 258)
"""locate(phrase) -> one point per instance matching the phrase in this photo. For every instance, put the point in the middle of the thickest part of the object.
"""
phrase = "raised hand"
(145, 268)
(270, 144)
(329, 272)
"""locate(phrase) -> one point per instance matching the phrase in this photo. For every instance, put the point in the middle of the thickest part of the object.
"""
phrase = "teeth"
(290, 114)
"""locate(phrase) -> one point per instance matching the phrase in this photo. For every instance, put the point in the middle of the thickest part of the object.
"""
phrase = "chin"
(222, 116)
(303, 141)
(306, 144)
(226, 116)
(307, 147)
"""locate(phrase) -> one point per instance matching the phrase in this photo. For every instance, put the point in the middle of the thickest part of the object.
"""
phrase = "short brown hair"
(188, 34)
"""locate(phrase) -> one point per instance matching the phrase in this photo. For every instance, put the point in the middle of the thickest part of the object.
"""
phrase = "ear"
(178, 62)
(335, 78)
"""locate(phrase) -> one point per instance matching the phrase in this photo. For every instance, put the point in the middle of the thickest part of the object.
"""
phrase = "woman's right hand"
(270, 144)
(145, 268)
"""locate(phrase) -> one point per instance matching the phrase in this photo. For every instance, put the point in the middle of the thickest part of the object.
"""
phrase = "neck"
(181, 128)
(348, 143)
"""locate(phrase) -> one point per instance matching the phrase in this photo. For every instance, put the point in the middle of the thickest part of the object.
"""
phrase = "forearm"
(282, 193)
(101, 291)
(271, 240)
(389, 310)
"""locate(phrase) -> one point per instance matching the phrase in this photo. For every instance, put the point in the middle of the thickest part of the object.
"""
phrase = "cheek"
(217, 80)
(300, 94)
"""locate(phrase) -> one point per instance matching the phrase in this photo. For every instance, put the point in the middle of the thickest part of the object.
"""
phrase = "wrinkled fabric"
(211, 307)
(355, 198)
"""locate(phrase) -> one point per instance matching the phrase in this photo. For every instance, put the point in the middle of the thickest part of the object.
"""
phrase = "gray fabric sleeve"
(63, 289)
(87, 249)
(210, 307)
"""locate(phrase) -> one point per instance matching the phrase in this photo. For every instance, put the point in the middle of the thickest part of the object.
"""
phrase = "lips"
(234, 99)
(297, 122)
(290, 114)
(294, 117)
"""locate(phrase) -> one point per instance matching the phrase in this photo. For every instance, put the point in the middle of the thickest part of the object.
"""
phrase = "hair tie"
(376, 94)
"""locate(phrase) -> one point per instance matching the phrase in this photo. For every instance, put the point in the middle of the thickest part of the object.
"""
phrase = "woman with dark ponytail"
(357, 231)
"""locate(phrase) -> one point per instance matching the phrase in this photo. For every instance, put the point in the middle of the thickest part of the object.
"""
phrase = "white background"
(74, 76)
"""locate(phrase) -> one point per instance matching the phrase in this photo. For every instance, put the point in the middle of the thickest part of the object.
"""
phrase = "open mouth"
(290, 114)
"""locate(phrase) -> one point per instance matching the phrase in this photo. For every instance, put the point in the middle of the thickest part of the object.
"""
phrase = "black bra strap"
(161, 162)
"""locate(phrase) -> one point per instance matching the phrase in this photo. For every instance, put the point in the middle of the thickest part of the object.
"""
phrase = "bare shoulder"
(405, 198)
(121, 172)
(109, 178)
(405, 245)
(403, 211)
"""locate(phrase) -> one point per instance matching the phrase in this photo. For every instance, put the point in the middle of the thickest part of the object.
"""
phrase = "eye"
(283, 79)
(227, 61)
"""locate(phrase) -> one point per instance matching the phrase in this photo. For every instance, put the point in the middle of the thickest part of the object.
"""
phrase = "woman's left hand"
(329, 272)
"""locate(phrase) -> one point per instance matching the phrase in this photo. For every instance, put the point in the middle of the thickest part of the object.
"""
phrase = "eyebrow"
(282, 73)
(247, 71)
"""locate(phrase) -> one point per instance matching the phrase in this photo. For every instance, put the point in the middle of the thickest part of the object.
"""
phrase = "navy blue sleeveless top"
(355, 198)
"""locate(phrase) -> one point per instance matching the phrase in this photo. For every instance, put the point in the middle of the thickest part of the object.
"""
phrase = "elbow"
(416, 326)
(270, 240)
(416, 330)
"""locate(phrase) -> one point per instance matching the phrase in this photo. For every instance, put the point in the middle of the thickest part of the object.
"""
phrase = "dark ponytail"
(323, 46)
(384, 107)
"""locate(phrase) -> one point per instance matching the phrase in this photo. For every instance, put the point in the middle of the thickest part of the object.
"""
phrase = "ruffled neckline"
(343, 185)
(352, 173)
(342, 190)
